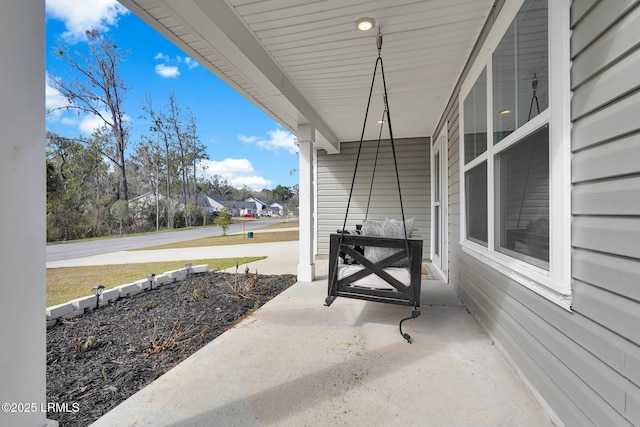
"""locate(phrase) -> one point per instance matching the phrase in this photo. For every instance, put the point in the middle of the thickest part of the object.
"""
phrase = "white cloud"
(162, 56)
(190, 62)
(167, 71)
(248, 139)
(228, 168)
(79, 16)
(278, 139)
(254, 182)
(69, 120)
(90, 123)
(237, 172)
(55, 101)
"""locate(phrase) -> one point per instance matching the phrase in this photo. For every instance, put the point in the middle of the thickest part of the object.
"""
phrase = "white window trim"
(443, 141)
(554, 284)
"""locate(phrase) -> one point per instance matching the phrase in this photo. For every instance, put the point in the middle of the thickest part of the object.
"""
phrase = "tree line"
(91, 181)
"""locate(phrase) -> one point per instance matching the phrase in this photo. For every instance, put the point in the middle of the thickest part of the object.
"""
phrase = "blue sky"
(245, 146)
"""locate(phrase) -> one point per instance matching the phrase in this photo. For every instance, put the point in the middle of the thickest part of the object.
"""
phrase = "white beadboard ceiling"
(303, 61)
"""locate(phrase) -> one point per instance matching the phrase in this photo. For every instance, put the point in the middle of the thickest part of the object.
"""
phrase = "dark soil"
(98, 360)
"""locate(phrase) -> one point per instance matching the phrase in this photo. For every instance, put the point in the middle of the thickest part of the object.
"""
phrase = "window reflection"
(475, 119)
(476, 204)
(520, 71)
(523, 222)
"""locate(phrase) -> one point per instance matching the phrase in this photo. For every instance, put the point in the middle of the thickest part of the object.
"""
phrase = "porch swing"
(379, 262)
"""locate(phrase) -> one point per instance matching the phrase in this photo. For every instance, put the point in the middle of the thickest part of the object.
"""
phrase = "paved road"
(96, 247)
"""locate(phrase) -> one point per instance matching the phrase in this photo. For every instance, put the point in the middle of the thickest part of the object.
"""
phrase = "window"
(475, 147)
(520, 70)
(475, 180)
(475, 119)
(522, 216)
(515, 155)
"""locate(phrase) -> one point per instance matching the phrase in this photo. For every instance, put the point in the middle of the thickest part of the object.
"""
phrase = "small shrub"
(199, 292)
(243, 287)
(91, 343)
(223, 220)
(75, 343)
(160, 337)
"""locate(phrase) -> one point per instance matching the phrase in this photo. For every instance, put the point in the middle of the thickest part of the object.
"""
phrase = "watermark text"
(51, 407)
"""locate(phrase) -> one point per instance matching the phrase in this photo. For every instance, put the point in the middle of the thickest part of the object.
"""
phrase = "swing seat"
(377, 281)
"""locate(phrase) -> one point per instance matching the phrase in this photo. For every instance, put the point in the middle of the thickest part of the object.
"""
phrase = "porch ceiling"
(303, 61)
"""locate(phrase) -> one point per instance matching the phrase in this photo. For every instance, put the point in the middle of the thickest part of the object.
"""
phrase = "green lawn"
(289, 224)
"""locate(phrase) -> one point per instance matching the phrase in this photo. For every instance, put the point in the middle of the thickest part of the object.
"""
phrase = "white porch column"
(22, 215)
(306, 140)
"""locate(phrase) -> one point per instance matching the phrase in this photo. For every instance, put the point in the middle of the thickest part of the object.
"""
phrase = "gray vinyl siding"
(335, 172)
(454, 196)
(585, 364)
(606, 193)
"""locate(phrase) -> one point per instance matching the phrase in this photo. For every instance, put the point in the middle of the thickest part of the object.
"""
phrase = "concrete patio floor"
(295, 362)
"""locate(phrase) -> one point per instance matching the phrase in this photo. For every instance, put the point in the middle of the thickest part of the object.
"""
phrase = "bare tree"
(198, 151)
(177, 126)
(99, 91)
(162, 136)
(184, 131)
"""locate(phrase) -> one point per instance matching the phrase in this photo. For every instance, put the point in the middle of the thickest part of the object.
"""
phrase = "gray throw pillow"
(388, 228)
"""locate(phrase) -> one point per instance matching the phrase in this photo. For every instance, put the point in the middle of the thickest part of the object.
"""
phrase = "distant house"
(262, 208)
(242, 208)
(215, 203)
(236, 208)
(278, 209)
(202, 203)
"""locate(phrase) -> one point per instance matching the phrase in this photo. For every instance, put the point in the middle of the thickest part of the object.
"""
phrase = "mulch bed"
(98, 360)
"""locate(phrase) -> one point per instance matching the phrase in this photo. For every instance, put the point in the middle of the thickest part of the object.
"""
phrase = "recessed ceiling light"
(365, 24)
(505, 112)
